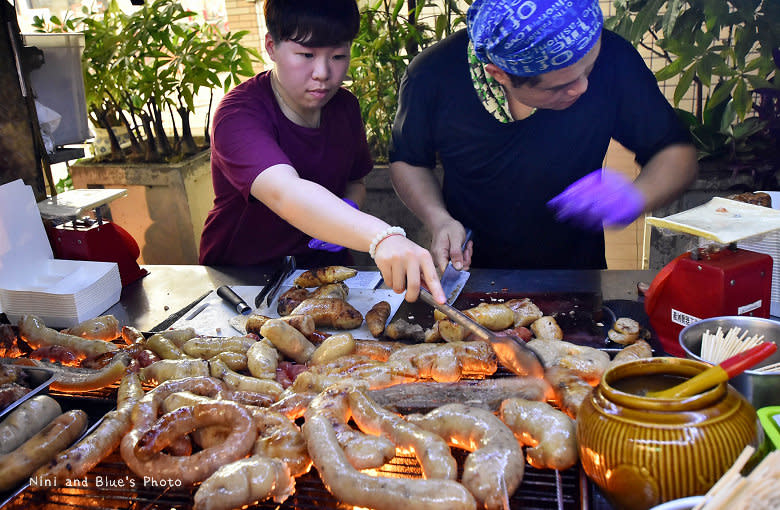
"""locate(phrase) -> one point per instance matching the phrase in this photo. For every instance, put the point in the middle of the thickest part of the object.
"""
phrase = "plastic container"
(759, 388)
(59, 83)
(770, 422)
(769, 244)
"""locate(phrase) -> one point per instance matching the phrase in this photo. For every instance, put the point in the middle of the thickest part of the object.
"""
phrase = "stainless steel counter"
(170, 288)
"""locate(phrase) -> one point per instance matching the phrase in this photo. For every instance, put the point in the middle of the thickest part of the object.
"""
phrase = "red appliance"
(707, 283)
(76, 237)
(100, 240)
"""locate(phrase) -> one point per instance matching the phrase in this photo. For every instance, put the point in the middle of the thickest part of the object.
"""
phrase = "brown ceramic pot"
(643, 451)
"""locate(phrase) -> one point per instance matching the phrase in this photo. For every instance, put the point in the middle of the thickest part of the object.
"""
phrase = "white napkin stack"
(770, 245)
(61, 292)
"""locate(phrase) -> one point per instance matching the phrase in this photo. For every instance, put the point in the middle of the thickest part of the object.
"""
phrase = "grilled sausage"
(323, 275)
(168, 369)
(331, 290)
(244, 382)
(105, 327)
(233, 360)
(547, 327)
(550, 435)
(333, 347)
(75, 462)
(27, 419)
(638, 350)
(40, 448)
(526, 312)
(302, 323)
(624, 331)
(376, 318)
(432, 451)
(179, 336)
(495, 466)
(262, 359)
(329, 312)
(208, 347)
(289, 299)
(85, 379)
(288, 340)
(494, 316)
(36, 334)
(243, 482)
(360, 489)
(164, 347)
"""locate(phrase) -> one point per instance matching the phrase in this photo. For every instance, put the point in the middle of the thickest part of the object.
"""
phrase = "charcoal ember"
(54, 353)
(10, 346)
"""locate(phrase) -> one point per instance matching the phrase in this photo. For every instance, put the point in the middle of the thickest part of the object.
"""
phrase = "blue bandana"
(532, 37)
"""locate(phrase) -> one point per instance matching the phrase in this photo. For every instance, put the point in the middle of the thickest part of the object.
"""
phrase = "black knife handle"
(234, 299)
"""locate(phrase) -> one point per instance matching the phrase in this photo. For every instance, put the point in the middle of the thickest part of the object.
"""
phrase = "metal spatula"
(515, 357)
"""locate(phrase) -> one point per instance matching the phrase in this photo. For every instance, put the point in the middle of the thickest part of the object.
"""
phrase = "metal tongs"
(514, 356)
(272, 288)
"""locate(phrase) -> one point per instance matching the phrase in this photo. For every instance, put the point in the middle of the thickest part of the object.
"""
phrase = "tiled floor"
(624, 248)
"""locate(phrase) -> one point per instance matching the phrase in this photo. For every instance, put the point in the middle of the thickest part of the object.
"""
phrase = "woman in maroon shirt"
(289, 155)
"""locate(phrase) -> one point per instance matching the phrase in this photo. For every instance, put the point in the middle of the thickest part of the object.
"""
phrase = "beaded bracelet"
(389, 231)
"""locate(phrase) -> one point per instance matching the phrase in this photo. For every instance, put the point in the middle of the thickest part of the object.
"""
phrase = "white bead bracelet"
(389, 231)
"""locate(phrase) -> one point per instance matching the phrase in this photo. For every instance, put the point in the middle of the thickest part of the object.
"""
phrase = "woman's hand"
(402, 263)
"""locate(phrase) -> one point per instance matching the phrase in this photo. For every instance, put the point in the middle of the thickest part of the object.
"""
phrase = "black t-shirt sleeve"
(412, 137)
(646, 122)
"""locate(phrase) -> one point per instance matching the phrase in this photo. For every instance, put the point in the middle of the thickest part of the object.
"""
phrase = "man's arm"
(419, 190)
(667, 175)
(356, 191)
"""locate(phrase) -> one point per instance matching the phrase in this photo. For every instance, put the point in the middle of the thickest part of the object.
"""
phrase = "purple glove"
(316, 244)
(603, 198)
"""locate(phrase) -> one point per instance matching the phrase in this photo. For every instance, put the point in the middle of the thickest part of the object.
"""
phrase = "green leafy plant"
(146, 66)
(720, 53)
(391, 33)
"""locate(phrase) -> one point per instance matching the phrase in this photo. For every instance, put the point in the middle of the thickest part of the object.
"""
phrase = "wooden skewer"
(716, 347)
(774, 367)
(736, 491)
(729, 478)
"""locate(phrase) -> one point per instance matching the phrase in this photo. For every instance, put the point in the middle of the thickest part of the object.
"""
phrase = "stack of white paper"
(770, 245)
(61, 292)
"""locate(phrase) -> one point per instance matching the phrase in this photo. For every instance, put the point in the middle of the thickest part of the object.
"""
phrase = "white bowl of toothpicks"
(718, 338)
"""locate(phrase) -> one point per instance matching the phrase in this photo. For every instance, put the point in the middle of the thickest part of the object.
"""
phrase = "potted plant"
(142, 67)
(142, 72)
(391, 34)
(725, 54)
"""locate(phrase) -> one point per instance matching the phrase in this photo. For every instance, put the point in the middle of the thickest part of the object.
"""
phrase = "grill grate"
(112, 486)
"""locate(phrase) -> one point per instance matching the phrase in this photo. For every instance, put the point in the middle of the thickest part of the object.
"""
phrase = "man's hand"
(604, 198)
(446, 246)
(316, 244)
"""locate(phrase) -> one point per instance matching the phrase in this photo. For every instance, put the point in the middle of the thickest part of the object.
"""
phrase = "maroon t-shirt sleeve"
(249, 135)
(245, 137)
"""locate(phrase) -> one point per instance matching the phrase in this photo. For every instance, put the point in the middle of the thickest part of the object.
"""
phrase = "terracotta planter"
(644, 451)
(165, 207)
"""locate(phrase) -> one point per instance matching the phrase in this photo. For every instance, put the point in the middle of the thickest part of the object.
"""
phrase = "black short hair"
(519, 81)
(315, 23)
